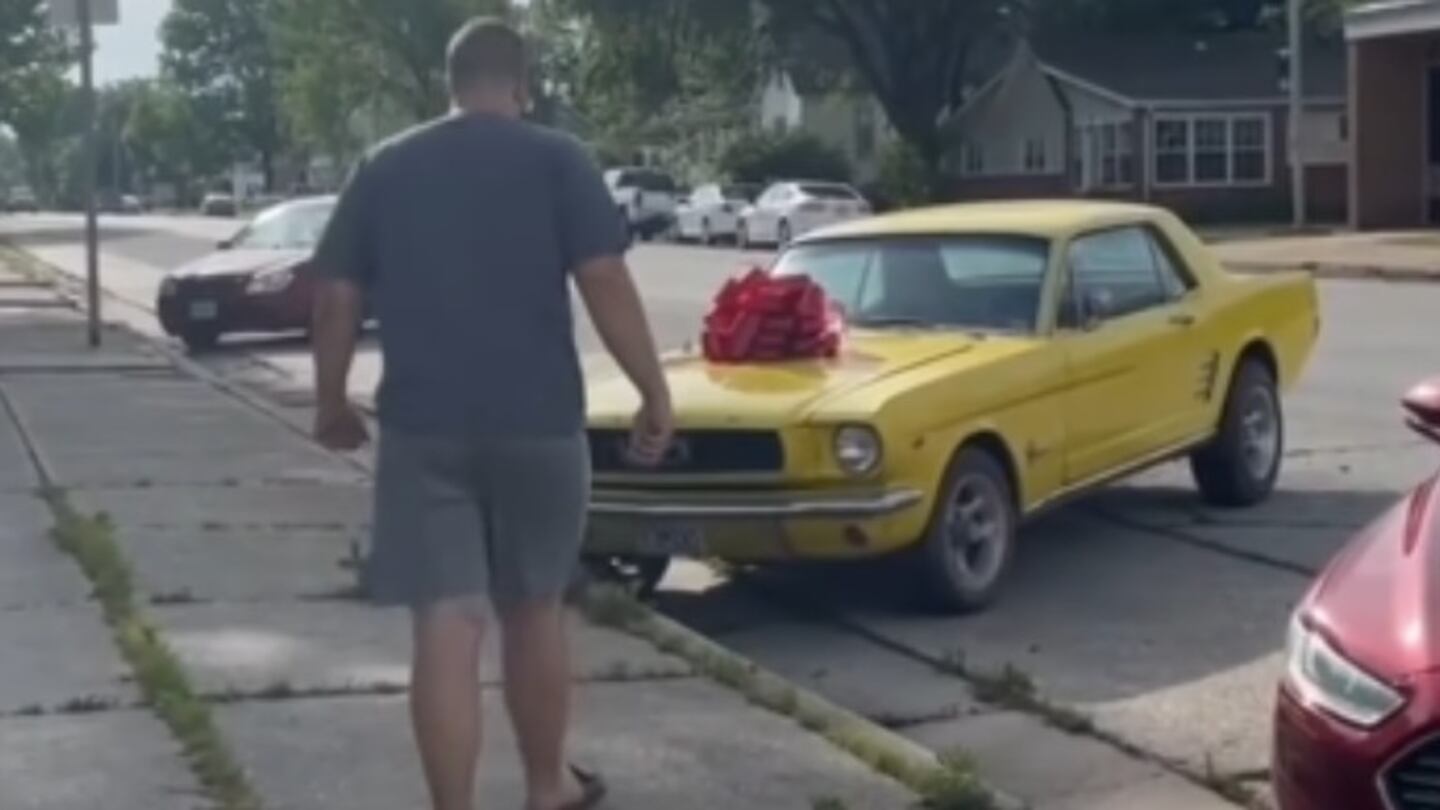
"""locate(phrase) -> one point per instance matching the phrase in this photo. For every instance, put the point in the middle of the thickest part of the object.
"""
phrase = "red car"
(258, 280)
(1358, 722)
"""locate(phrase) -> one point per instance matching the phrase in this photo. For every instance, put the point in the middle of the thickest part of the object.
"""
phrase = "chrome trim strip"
(849, 507)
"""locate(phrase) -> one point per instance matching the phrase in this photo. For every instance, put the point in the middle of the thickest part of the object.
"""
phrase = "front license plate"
(204, 310)
(674, 541)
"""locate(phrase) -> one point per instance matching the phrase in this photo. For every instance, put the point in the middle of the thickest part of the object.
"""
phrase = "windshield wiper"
(882, 322)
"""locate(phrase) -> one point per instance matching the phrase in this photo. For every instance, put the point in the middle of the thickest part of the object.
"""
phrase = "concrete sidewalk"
(1395, 256)
(240, 536)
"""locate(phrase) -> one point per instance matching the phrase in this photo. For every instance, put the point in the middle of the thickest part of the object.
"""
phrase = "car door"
(1127, 325)
(763, 219)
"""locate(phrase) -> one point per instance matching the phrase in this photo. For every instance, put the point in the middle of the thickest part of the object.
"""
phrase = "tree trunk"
(267, 169)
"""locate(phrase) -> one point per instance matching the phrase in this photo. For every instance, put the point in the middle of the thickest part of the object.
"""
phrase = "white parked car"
(792, 208)
(645, 197)
(712, 213)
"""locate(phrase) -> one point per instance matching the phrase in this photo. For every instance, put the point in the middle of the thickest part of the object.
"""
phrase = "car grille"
(696, 452)
(214, 286)
(1413, 782)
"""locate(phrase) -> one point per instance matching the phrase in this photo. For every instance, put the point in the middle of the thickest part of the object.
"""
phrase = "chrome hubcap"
(1260, 433)
(977, 529)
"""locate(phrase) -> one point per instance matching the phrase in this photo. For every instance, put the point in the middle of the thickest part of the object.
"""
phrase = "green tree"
(34, 94)
(763, 158)
(915, 57)
(165, 140)
(220, 54)
(388, 55)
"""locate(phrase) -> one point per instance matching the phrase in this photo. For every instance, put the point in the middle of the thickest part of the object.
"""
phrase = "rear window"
(828, 192)
(969, 282)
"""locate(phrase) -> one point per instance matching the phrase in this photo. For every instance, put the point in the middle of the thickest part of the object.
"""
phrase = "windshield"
(827, 191)
(296, 226)
(643, 179)
(962, 282)
(742, 191)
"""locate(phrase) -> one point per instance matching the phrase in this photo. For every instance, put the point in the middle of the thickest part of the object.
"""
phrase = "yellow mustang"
(1001, 358)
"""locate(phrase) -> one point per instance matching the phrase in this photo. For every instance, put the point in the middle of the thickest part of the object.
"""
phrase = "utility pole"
(1297, 113)
(92, 225)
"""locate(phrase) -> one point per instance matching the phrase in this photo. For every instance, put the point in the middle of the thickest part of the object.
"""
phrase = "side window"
(1115, 273)
(1174, 277)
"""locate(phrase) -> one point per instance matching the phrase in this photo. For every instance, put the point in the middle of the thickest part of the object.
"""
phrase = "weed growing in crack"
(88, 704)
(184, 596)
(162, 680)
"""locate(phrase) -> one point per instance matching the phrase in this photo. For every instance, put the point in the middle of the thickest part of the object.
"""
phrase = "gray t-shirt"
(463, 232)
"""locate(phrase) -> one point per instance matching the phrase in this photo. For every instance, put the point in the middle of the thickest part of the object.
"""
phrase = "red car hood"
(240, 262)
(1379, 600)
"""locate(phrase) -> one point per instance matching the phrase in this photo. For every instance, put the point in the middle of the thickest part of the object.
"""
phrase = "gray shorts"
(501, 518)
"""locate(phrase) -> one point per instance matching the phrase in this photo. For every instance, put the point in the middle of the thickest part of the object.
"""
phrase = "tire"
(782, 234)
(1240, 466)
(200, 339)
(642, 575)
(963, 573)
(706, 238)
(742, 235)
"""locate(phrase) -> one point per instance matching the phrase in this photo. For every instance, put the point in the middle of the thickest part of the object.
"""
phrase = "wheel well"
(1261, 351)
(995, 446)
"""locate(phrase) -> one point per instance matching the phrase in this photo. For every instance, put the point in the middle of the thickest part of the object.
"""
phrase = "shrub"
(765, 157)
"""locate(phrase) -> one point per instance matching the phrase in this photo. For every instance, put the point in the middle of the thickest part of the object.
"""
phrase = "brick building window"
(1231, 149)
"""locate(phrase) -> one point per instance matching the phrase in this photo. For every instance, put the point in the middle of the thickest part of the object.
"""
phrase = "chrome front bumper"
(685, 506)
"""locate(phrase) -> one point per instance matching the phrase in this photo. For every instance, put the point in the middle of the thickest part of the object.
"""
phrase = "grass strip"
(163, 683)
(944, 783)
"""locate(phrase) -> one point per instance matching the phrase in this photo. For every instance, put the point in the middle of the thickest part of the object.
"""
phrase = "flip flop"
(592, 790)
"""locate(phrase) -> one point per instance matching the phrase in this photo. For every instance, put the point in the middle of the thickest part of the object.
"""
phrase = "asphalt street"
(1159, 618)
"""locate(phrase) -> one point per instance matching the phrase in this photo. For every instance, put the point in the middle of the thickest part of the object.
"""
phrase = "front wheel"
(971, 540)
(742, 235)
(783, 234)
(1240, 466)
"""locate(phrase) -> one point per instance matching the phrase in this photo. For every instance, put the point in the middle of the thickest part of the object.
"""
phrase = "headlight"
(1326, 679)
(857, 449)
(272, 281)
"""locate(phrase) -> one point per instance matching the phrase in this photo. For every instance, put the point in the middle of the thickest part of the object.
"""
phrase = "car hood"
(239, 262)
(1379, 599)
(769, 395)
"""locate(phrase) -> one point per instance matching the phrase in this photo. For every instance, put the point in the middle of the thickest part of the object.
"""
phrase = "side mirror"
(1097, 307)
(1422, 406)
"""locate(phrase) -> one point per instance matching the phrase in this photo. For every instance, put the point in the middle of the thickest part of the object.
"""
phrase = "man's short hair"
(486, 49)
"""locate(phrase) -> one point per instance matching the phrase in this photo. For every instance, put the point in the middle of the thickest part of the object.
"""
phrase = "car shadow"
(1131, 591)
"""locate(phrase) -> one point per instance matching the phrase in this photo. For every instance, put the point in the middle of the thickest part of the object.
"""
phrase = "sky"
(132, 48)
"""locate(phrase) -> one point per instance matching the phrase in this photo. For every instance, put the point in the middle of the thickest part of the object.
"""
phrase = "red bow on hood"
(759, 317)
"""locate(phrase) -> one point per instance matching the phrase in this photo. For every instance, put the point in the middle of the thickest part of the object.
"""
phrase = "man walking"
(464, 233)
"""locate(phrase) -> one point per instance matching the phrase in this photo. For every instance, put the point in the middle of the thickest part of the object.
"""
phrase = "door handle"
(1182, 319)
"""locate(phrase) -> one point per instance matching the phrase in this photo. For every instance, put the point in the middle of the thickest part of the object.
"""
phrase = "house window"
(1212, 150)
(1117, 153)
(972, 158)
(1034, 156)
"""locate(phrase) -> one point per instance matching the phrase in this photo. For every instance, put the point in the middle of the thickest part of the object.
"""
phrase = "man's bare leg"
(537, 694)
(445, 700)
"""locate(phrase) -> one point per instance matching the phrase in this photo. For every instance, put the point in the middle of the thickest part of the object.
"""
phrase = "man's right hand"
(340, 427)
(654, 429)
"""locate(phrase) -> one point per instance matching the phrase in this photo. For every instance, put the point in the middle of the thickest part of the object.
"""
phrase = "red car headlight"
(1325, 679)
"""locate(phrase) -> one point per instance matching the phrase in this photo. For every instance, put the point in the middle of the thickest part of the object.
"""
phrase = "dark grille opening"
(1413, 783)
(698, 451)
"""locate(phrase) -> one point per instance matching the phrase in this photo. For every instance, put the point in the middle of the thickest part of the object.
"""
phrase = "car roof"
(1040, 218)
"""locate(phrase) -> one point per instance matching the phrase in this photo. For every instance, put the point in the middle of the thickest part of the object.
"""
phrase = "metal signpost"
(85, 15)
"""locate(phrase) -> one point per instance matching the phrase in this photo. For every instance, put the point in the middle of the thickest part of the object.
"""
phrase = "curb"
(886, 752)
(883, 750)
(1360, 272)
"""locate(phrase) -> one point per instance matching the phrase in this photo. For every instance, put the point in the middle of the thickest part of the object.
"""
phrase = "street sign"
(66, 13)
